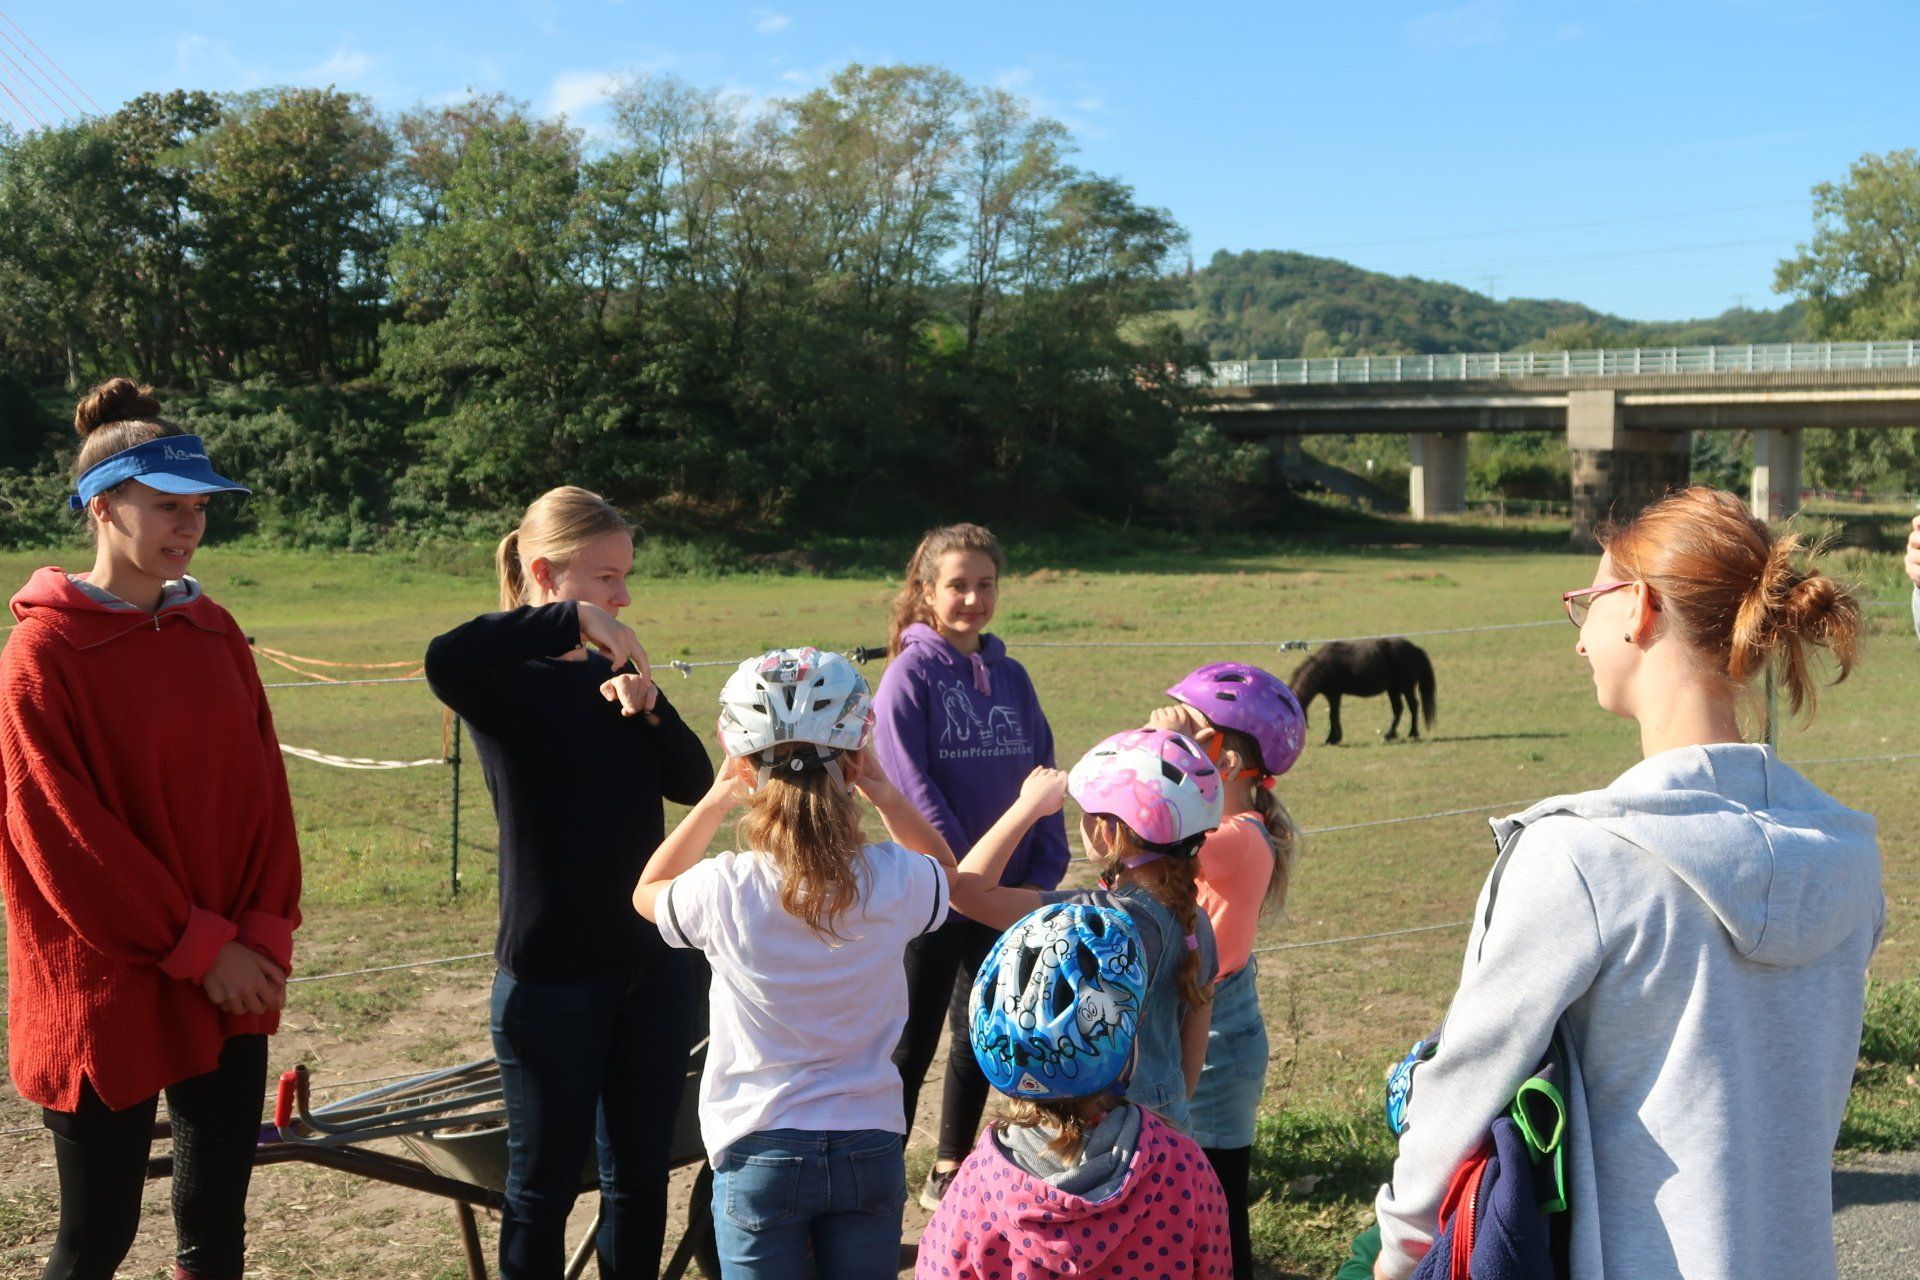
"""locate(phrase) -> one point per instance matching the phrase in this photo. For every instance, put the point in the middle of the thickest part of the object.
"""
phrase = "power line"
(28, 111)
(27, 76)
(56, 66)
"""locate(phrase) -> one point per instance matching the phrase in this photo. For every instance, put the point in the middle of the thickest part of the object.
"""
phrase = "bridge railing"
(1775, 357)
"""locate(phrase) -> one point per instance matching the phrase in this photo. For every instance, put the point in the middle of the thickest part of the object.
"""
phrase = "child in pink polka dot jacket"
(1074, 1180)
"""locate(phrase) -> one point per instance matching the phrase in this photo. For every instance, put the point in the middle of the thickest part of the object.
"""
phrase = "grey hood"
(1789, 872)
(1101, 1168)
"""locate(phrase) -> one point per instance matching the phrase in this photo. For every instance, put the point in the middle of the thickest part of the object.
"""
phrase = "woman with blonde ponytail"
(800, 1106)
(1253, 728)
(1695, 935)
(590, 1011)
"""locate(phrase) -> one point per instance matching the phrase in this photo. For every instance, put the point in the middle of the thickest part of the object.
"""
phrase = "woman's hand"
(635, 694)
(1913, 552)
(1044, 792)
(244, 981)
(614, 638)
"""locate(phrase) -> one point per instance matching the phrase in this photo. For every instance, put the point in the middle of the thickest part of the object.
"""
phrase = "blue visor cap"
(171, 464)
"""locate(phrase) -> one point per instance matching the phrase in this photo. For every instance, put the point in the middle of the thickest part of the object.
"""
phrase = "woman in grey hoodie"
(1699, 930)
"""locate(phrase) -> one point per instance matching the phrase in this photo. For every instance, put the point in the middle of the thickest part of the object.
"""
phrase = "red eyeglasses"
(1578, 602)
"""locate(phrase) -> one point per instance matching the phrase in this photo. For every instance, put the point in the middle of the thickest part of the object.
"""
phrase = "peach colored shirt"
(1236, 865)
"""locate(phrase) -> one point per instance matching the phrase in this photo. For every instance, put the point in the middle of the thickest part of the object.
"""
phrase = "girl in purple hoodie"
(958, 730)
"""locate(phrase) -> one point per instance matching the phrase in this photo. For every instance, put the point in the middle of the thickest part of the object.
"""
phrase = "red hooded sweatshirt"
(145, 824)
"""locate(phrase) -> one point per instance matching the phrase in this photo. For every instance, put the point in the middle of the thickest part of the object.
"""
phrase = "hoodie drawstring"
(982, 681)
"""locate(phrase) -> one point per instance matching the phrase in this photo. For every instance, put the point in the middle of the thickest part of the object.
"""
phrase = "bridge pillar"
(1617, 472)
(1438, 483)
(1284, 451)
(1776, 473)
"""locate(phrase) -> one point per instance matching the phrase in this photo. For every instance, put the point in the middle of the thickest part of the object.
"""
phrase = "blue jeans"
(842, 1192)
(605, 1060)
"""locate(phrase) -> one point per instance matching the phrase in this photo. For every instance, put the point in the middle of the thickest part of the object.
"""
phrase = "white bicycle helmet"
(795, 696)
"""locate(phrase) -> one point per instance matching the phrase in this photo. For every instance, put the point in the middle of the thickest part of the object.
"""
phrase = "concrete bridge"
(1628, 415)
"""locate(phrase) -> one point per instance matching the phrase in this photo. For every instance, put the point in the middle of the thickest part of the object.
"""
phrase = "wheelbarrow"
(453, 1122)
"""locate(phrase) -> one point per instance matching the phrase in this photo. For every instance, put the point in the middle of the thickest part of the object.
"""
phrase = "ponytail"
(1286, 839)
(513, 575)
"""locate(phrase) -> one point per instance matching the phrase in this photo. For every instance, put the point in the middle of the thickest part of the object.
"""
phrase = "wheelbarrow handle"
(292, 1094)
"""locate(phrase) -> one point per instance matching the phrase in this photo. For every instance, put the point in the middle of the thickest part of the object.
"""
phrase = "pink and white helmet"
(1159, 783)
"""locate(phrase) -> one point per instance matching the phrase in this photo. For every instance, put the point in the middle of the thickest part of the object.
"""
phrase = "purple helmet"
(1245, 699)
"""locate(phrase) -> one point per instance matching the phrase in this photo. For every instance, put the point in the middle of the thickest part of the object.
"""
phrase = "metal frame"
(332, 1137)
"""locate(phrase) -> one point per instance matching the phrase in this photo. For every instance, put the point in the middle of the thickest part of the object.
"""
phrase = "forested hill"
(1271, 304)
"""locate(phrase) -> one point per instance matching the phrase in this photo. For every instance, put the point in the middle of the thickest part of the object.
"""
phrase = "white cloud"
(573, 92)
(1077, 115)
(1478, 22)
(771, 23)
(345, 66)
(204, 59)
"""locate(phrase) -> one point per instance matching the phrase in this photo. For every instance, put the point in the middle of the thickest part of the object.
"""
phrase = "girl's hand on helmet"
(635, 695)
(1180, 718)
(729, 788)
(614, 638)
(1044, 791)
(864, 773)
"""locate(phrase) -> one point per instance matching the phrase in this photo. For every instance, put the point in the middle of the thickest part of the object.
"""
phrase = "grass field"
(1516, 722)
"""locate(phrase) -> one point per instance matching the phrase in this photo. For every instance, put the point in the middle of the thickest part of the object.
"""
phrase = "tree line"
(895, 292)
(1269, 305)
(892, 297)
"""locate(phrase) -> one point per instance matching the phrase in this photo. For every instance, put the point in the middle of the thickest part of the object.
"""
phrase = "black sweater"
(577, 789)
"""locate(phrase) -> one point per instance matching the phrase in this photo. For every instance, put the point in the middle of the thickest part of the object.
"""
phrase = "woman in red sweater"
(147, 853)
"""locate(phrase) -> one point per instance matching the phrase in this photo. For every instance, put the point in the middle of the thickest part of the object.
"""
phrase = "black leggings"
(940, 969)
(101, 1156)
(1234, 1167)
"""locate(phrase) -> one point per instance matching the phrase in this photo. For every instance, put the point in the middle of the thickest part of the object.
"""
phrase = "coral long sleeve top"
(144, 823)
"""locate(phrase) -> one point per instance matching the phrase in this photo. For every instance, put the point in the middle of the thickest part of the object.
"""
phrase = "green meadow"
(1102, 632)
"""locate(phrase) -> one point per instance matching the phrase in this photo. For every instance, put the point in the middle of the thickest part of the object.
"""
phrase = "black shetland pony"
(1366, 669)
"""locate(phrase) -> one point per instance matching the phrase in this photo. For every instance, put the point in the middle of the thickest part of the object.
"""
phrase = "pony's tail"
(1426, 682)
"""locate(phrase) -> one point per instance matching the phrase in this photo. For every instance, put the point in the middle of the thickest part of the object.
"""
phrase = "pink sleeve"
(1236, 865)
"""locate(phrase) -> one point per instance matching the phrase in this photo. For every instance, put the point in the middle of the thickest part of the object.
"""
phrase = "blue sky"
(1648, 158)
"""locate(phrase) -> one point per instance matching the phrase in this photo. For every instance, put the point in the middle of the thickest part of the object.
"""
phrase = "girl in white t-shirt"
(800, 1104)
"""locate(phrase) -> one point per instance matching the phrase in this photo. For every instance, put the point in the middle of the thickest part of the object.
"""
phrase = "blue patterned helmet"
(1056, 1002)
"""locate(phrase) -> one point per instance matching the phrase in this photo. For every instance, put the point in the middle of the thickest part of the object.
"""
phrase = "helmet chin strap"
(827, 761)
